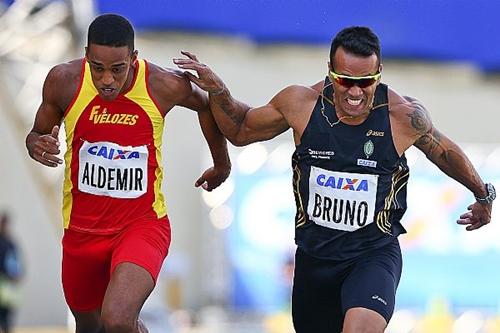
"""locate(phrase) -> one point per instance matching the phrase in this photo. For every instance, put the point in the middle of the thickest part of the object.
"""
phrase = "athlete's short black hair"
(360, 41)
(111, 30)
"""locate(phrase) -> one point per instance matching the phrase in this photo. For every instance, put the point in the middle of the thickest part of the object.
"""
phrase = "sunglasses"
(351, 81)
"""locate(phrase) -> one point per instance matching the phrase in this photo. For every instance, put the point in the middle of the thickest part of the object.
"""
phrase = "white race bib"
(111, 170)
(341, 200)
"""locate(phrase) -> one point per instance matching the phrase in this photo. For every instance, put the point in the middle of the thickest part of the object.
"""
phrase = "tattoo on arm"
(430, 138)
(232, 111)
(441, 150)
(418, 119)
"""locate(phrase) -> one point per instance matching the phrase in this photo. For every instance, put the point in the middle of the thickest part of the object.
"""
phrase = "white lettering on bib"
(341, 200)
(111, 170)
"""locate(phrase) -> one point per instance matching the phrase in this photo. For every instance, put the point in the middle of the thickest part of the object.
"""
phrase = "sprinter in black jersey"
(350, 176)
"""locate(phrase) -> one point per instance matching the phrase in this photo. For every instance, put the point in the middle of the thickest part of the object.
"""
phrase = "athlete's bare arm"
(240, 123)
(59, 88)
(170, 88)
(419, 130)
(243, 124)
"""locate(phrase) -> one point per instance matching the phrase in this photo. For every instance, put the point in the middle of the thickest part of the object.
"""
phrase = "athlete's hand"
(213, 177)
(46, 147)
(206, 79)
(477, 216)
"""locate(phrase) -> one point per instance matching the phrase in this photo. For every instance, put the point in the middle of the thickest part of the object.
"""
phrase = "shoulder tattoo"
(419, 119)
(429, 138)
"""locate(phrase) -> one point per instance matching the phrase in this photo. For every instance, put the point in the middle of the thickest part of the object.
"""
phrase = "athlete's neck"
(130, 78)
(352, 120)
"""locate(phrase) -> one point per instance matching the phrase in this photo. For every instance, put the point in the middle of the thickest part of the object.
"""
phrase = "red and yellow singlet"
(113, 172)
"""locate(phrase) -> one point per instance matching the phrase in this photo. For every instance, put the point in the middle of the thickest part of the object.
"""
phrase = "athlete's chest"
(336, 146)
(121, 121)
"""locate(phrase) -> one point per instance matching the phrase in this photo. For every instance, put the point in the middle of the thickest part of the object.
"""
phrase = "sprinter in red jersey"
(116, 229)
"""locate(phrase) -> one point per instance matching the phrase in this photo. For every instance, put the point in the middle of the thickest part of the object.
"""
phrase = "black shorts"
(324, 290)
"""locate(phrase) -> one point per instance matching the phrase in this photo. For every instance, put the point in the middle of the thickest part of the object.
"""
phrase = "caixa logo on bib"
(108, 169)
(112, 153)
(341, 200)
(348, 184)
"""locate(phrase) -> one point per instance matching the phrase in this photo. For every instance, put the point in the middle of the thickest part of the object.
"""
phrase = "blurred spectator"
(10, 274)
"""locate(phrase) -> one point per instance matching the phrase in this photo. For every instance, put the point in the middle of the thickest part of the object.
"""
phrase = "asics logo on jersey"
(341, 183)
(380, 299)
(112, 154)
(98, 116)
(374, 133)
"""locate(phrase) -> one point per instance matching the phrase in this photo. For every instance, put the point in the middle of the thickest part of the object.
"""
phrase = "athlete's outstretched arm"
(171, 88)
(448, 156)
(42, 141)
(240, 123)
(217, 143)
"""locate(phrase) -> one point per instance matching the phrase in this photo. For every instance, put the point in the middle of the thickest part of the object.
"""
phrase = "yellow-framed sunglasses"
(350, 81)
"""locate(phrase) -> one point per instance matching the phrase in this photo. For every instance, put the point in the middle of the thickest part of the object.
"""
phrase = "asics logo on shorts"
(380, 299)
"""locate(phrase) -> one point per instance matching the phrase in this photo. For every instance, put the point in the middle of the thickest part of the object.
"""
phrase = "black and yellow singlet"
(349, 182)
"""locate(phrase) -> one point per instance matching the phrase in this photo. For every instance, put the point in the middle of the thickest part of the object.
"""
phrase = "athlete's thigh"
(128, 289)
(372, 282)
(145, 244)
(85, 270)
(136, 262)
(316, 303)
(88, 321)
(363, 320)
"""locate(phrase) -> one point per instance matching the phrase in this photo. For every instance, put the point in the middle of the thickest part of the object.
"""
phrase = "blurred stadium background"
(230, 263)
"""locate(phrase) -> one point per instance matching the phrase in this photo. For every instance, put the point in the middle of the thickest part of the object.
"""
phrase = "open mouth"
(107, 91)
(354, 102)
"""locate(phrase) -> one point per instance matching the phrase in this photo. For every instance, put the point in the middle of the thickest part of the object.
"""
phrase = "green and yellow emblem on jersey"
(368, 148)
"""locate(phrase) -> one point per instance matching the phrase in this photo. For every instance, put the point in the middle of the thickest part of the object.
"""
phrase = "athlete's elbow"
(235, 136)
(239, 139)
(238, 142)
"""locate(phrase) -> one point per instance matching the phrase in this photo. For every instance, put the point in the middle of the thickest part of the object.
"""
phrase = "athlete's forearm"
(229, 115)
(216, 141)
(218, 149)
(448, 157)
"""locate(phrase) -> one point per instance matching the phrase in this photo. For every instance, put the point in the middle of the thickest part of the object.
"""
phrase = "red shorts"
(90, 259)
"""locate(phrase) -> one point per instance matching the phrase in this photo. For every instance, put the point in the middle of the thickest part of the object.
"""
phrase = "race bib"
(111, 170)
(341, 200)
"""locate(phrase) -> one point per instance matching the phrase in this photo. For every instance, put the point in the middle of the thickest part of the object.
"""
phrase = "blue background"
(438, 30)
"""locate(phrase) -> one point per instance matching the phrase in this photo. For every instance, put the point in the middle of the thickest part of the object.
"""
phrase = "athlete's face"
(353, 100)
(110, 68)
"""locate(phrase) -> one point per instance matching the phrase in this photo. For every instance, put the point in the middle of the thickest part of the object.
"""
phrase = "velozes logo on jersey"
(98, 116)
